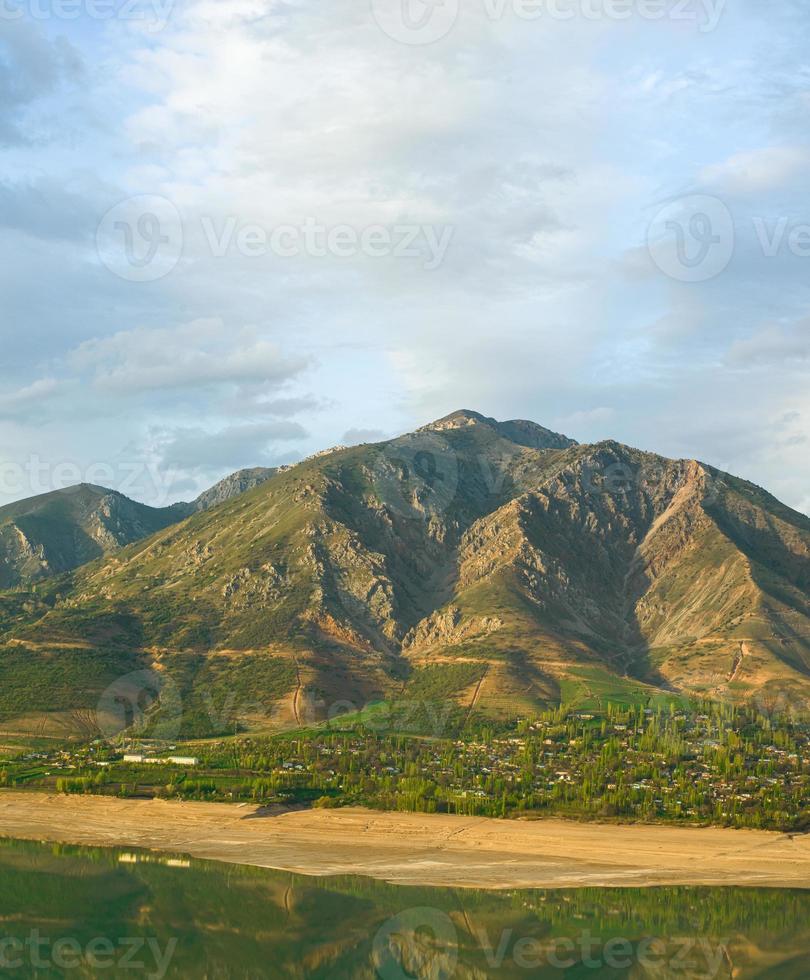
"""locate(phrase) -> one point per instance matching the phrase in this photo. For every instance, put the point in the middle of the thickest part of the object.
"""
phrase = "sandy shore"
(418, 849)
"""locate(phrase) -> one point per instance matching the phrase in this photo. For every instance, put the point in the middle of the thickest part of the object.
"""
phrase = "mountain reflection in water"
(71, 911)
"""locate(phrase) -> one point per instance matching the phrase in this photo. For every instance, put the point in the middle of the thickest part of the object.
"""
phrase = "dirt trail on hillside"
(738, 662)
(477, 695)
(408, 848)
(297, 693)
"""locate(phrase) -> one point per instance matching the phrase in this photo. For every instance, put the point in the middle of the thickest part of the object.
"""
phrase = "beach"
(418, 849)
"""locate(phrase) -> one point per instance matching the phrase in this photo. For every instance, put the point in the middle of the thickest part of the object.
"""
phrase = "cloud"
(758, 171)
(45, 208)
(588, 425)
(21, 400)
(253, 400)
(197, 354)
(546, 146)
(356, 437)
(32, 66)
(773, 346)
(234, 447)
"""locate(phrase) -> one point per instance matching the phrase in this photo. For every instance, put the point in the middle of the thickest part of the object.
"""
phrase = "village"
(716, 765)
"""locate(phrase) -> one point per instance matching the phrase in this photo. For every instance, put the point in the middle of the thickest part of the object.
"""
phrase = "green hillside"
(497, 567)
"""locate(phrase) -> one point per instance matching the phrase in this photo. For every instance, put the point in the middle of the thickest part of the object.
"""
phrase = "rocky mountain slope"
(56, 532)
(494, 567)
(231, 486)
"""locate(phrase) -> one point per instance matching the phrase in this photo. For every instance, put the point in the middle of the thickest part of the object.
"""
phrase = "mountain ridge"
(57, 531)
(520, 431)
(455, 558)
(60, 530)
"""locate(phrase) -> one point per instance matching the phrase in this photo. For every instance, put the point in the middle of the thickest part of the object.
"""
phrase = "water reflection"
(69, 911)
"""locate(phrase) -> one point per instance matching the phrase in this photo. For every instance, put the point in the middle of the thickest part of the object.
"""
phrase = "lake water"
(73, 912)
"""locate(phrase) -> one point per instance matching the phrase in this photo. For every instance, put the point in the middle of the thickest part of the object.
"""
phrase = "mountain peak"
(464, 416)
(521, 570)
(232, 486)
(520, 431)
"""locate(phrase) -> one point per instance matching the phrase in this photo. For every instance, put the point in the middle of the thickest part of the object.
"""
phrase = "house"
(175, 760)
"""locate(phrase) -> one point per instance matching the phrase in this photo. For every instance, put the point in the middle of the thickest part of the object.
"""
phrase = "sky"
(236, 232)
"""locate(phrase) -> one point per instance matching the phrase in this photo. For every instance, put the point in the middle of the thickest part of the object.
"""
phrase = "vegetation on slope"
(543, 571)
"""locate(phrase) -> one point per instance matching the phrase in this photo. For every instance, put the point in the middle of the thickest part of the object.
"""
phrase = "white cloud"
(774, 347)
(588, 425)
(201, 353)
(22, 400)
(45, 208)
(356, 437)
(235, 447)
(32, 67)
(757, 171)
(545, 145)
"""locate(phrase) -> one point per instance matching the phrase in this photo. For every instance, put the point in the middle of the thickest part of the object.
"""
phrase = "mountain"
(519, 431)
(56, 532)
(493, 567)
(232, 486)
